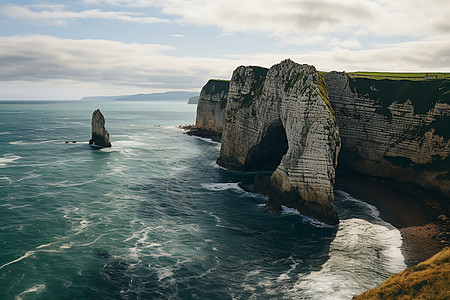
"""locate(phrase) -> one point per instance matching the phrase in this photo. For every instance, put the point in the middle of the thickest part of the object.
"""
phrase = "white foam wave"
(164, 273)
(19, 259)
(207, 140)
(38, 288)
(31, 176)
(306, 220)
(10, 206)
(361, 256)
(66, 183)
(214, 164)
(373, 211)
(222, 186)
(35, 142)
(8, 159)
(1, 133)
(6, 179)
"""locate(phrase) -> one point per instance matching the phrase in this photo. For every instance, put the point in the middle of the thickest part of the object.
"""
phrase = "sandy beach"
(421, 216)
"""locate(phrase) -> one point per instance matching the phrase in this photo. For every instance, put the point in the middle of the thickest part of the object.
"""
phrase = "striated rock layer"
(395, 129)
(100, 136)
(281, 119)
(211, 106)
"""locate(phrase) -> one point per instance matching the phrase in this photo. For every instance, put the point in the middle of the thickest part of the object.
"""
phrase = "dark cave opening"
(268, 153)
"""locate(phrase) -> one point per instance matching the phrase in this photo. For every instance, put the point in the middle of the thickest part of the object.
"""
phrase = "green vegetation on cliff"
(422, 94)
(216, 86)
(259, 74)
(428, 280)
(399, 76)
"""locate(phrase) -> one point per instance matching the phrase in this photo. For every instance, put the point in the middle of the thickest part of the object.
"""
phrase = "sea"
(154, 216)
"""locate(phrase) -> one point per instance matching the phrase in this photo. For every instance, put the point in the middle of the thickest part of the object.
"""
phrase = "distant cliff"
(211, 106)
(395, 129)
(193, 100)
(280, 119)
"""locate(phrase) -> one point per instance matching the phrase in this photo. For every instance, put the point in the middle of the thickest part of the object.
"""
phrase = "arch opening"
(268, 153)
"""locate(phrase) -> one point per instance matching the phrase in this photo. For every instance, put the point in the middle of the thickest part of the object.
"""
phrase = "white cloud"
(46, 60)
(58, 15)
(99, 66)
(177, 35)
(398, 18)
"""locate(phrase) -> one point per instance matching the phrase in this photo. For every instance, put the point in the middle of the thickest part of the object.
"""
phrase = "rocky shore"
(420, 215)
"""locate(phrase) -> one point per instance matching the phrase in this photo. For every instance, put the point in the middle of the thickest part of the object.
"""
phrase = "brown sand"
(421, 216)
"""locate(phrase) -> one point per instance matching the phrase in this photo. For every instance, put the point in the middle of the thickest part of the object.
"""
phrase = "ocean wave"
(7, 159)
(222, 186)
(18, 259)
(362, 255)
(207, 140)
(306, 220)
(33, 142)
(38, 288)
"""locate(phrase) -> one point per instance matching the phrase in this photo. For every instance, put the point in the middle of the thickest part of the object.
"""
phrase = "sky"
(70, 49)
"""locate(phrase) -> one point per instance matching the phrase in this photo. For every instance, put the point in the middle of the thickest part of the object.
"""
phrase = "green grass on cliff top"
(399, 76)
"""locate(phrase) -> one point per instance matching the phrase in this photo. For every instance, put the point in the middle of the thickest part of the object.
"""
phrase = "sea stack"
(100, 136)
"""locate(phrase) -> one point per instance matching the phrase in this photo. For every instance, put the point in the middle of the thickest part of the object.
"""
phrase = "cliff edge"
(100, 136)
(281, 119)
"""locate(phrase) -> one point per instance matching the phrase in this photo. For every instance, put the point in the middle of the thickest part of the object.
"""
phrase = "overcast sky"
(70, 49)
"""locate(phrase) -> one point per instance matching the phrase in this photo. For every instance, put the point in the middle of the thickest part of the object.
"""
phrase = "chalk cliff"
(281, 119)
(100, 136)
(211, 106)
(394, 128)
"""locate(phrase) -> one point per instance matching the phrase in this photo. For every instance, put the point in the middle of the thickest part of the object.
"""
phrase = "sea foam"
(362, 255)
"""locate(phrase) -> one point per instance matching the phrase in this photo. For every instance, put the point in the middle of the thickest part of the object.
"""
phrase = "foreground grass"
(428, 280)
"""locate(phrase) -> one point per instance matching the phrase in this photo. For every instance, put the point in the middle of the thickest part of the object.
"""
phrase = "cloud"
(177, 35)
(46, 60)
(84, 66)
(58, 15)
(306, 18)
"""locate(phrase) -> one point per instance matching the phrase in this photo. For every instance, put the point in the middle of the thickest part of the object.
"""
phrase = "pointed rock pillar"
(100, 136)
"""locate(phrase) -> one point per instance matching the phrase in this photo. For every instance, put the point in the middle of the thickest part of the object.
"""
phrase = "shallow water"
(154, 217)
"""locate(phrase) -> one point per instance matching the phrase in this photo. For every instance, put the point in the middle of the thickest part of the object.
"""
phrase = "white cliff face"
(398, 138)
(211, 106)
(100, 136)
(281, 118)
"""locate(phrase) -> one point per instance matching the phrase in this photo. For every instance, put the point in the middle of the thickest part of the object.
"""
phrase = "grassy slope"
(428, 280)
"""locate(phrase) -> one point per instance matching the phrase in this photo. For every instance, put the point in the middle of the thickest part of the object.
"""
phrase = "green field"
(396, 76)
(399, 76)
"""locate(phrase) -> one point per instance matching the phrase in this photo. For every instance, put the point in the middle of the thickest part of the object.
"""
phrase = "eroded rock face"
(211, 106)
(281, 119)
(394, 129)
(100, 136)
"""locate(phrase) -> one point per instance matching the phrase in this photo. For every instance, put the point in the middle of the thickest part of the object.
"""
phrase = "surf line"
(19, 259)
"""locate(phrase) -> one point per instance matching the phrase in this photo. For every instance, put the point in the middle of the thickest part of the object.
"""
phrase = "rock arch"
(267, 154)
(281, 119)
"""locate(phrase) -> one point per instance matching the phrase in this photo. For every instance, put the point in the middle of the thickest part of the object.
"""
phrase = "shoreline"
(419, 215)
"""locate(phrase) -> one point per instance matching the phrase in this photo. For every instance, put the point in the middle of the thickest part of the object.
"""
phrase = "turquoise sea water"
(154, 217)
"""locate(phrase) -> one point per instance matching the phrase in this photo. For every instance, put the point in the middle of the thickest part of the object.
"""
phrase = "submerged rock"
(281, 119)
(100, 136)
